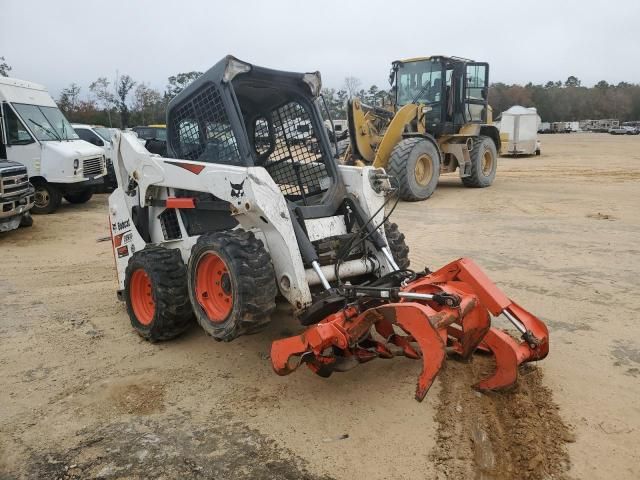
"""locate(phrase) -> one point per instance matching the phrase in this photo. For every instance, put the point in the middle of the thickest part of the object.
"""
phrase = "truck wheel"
(415, 162)
(155, 287)
(484, 163)
(397, 245)
(26, 220)
(232, 285)
(82, 196)
(47, 198)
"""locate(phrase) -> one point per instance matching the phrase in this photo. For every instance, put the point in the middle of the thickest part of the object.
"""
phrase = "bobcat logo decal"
(237, 189)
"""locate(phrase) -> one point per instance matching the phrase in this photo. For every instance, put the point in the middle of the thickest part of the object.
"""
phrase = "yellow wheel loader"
(440, 121)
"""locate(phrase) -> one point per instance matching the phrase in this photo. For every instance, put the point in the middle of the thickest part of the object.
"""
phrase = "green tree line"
(126, 101)
(570, 101)
(123, 103)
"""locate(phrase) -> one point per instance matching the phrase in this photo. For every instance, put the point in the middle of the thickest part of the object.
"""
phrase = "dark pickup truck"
(17, 196)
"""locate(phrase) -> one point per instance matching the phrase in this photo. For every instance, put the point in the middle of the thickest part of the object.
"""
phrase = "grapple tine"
(414, 319)
(282, 350)
(510, 353)
(504, 349)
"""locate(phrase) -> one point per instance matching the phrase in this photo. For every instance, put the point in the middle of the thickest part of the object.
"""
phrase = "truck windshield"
(104, 133)
(47, 123)
(419, 82)
(151, 133)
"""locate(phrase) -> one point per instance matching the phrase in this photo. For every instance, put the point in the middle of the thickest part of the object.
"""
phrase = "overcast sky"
(63, 41)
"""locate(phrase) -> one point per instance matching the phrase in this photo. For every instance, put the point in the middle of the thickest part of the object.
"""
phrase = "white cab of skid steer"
(256, 202)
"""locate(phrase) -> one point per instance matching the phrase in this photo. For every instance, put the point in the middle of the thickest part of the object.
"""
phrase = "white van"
(35, 133)
(100, 137)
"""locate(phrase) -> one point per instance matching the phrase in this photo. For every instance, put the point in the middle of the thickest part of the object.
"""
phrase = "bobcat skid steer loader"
(242, 212)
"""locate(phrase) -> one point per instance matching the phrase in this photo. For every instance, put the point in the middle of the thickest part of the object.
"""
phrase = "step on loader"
(242, 213)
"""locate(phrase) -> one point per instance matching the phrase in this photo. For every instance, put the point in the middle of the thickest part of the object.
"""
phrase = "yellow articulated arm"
(373, 136)
(396, 128)
(364, 136)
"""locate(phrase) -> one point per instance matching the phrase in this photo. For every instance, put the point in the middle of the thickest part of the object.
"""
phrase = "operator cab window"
(286, 145)
(17, 133)
(474, 92)
(201, 130)
(419, 82)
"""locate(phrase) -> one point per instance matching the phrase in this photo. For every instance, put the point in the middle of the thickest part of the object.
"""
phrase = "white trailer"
(520, 124)
(36, 134)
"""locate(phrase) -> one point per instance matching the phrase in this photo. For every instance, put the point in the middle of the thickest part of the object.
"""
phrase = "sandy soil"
(82, 396)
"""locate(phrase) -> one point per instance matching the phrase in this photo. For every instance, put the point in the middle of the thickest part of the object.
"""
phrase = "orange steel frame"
(344, 339)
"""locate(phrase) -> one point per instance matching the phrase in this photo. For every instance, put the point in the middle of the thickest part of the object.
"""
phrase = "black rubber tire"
(26, 220)
(397, 245)
(168, 276)
(48, 198)
(402, 165)
(478, 179)
(82, 196)
(252, 283)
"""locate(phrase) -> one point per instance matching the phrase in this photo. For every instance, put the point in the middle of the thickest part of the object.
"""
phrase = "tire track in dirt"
(517, 434)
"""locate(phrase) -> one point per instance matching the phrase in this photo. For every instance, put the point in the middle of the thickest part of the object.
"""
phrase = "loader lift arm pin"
(323, 279)
(389, 257)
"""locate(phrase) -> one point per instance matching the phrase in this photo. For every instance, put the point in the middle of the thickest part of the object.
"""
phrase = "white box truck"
(36, 134)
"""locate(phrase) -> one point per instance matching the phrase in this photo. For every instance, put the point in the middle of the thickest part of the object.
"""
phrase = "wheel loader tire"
(155, 287)
(232, 284)
(82, 196)
(397, 245)
(415, 163)
(47, 198)
(484, 163)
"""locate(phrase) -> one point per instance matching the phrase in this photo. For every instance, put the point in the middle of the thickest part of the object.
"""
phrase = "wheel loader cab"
(452, 90)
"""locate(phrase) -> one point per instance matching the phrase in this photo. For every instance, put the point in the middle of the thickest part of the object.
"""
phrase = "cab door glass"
(476, 75)
(17, 133)
(475, 92)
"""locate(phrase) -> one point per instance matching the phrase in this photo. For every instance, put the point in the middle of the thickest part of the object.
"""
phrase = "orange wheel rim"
(213, 287)
(142, 297)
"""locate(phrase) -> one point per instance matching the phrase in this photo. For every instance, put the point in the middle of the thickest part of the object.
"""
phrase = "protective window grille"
(200, 129)
(296, 163)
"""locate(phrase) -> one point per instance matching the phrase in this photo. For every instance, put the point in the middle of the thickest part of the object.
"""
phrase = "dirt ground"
(82, 396)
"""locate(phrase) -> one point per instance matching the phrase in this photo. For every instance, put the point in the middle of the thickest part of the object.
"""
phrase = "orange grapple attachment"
(346, 330)
(344, 339)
